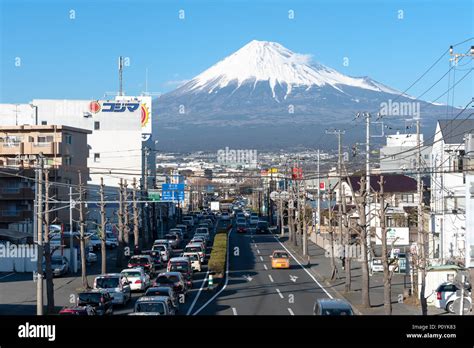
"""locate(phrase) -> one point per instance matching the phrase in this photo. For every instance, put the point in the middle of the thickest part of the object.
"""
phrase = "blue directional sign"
(172, 192)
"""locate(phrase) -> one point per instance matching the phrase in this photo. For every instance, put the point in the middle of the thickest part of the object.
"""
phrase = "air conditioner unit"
(86, 114)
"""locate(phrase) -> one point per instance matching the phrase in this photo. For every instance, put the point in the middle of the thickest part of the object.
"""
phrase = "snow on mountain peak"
(270, 61)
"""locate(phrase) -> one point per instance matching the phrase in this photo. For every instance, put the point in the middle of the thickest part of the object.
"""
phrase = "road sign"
(172, 192)
(154, 195)
(274, 196)
(322, 185)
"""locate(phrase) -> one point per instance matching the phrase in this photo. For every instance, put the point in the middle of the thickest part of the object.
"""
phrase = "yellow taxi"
(280, 259)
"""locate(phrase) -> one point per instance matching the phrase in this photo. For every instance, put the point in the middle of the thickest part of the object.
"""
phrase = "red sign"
(297, 173)
(322, 185)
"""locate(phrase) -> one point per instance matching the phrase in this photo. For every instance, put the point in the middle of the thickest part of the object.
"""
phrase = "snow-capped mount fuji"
(264, 95)
(269, 61)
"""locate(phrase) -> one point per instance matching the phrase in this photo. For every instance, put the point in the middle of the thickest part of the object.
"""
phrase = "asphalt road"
(254, 288)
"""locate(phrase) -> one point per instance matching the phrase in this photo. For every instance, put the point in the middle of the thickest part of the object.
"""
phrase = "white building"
(399, 153)
(120, 132)
(448, 188)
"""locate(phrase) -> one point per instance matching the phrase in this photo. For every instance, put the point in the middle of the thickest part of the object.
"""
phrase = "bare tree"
(347, 256)
(362, 229)
(135, 217)
(103, 235)
(85, 284)
(120, 218)
(331, 239)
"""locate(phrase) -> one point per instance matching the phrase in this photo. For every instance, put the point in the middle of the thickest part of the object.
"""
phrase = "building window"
(67, 181)
(96, 125)
(97, 157)
(44, 123)
(67, 160)
(68, 139)
(408, 198)
(45, 139)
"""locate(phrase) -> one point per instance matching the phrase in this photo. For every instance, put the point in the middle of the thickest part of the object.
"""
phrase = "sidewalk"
(320, 266)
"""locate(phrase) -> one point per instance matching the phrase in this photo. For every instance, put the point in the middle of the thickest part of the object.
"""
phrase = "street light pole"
(39, 217)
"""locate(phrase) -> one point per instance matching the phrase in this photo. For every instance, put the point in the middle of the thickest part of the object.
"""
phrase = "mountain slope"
(265, 85)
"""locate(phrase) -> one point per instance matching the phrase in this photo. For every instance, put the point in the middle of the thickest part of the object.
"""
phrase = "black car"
(155, 257)
(99, 299)
(174, 280)
(164, 291)
(262, 228)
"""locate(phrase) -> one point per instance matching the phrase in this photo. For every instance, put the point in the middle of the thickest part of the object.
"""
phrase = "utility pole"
(72, 261)
(319, 194)
(39, 278)
(135, 217)
(347, 253)
(331, 236)
(103, 234)
(120, 248)
(421, 233)
(47, 248)
(126, 220)
(367, 184)
(387, 284)
(85, 284)
(339, 133)
(120, 69)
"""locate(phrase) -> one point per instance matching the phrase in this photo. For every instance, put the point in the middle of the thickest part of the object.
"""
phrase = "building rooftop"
(453, 130)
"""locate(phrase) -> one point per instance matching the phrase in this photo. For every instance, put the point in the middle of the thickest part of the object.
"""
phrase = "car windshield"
(171, 236)
(158, 247)
(107, 283)
(131, 274)
(157, 292)
(241, 222)
(336, 311)
(280, 255)
(57, 261)
(178, 266)
(139, 260)
(155, 307)
(192, 249)
(192, 257)
(89, 298)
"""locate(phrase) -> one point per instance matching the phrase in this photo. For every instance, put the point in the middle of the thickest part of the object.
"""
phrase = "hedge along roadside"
(219, 253)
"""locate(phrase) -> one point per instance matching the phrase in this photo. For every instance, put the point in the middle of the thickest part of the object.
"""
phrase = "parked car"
(183, 266)
(117, 285)
(163, 250)
(100, 299)
(111, 240)
(78, 310)
(326, 306)
(59, 265)
(138, 278)
(280, 259)
(196, 248)
(447, 293)
(262, 228)
(195, 261)
(154, 305)
(144, 261)
(91, 257)
(174, 280)
(94, 242)
(164, 291)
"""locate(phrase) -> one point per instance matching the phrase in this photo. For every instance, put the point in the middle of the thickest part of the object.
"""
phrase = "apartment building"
(64, 152)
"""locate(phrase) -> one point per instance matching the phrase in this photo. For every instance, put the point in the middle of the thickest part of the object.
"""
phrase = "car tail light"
(138, 281)
(102, 300)
(438, 295)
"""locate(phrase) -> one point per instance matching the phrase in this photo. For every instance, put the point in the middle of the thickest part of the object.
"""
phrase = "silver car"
(117, 285)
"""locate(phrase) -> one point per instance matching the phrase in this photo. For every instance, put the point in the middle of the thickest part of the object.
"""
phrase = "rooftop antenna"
(120, 68)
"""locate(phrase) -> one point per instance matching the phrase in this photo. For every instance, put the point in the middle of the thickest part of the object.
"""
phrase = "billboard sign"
(215, 206)
(395, 235)
(144, 102)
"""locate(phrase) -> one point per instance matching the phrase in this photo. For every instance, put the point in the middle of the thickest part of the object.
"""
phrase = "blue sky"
(77, 58)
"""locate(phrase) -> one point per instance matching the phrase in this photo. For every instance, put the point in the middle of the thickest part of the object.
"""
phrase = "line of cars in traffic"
(163, 289)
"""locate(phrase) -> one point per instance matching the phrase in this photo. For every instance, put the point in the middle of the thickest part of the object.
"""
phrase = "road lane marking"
(258, 251)
(312, 277)
(265, 266)
(234, 310)
(225, 282)
(261, 258)
(291, 312)
(279, 293)
(199, 293)
(271, 279)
